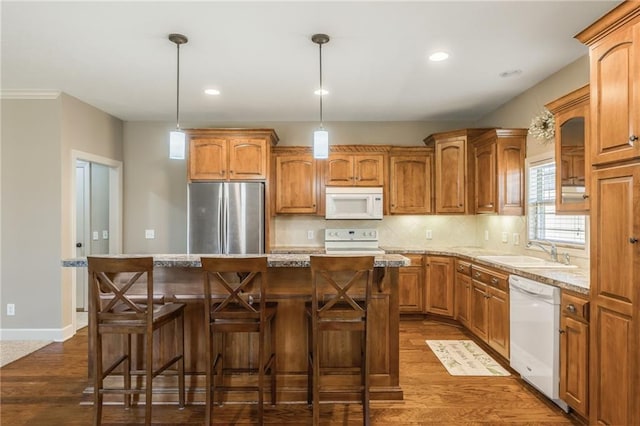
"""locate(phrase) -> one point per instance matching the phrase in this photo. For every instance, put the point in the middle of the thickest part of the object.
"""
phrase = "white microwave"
(353, 203)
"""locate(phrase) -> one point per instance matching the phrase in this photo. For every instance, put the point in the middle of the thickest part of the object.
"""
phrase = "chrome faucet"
(553, 252)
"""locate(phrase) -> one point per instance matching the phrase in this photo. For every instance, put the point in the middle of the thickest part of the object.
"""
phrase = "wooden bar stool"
(118, 306)
(236, 289)
(341, 291)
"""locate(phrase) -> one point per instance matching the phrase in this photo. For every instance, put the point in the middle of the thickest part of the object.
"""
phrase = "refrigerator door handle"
(224, 220)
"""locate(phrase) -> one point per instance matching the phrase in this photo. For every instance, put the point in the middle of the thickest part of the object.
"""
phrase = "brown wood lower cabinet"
(462, 293)
(439, 285)
(411, 285)
(574, 352)
(489, 308)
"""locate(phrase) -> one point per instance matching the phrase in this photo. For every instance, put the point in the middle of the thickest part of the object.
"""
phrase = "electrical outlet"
(429, 234)
(11, 309)
(505, 237)
(149, 234)
(516, 239)
(95, 236)
(309, 235)
(486, 235)
(105, 235)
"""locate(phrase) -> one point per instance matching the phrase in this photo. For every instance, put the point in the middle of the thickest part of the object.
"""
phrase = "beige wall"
(37, 139)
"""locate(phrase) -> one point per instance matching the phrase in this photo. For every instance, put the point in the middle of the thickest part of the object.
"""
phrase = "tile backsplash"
(506, 234)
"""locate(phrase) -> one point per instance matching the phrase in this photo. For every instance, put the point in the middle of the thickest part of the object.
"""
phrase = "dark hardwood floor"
(46, 388)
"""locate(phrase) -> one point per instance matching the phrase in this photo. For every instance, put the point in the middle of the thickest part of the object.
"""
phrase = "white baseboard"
(54, 334)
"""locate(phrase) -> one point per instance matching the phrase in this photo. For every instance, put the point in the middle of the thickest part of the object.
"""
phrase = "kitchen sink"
(516, 261)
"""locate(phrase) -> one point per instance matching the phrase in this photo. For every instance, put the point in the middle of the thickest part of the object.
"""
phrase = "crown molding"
(29, 94)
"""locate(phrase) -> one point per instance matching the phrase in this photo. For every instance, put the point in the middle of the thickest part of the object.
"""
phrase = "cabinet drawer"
(489, 277)
(416, 259)
(575, 306)
(463, 267)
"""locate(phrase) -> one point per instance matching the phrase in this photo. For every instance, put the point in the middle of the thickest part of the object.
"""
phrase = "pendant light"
(320, 136)
(177, 137)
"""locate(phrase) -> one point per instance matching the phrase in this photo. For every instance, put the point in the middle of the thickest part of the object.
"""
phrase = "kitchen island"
(178, 278)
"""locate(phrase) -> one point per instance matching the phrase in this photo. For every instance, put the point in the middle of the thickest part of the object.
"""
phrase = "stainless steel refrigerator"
(225, 218)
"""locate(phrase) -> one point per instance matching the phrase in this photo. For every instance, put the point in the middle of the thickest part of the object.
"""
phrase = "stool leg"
(97, 380)
(273, 362)
(127, 372)
(149, 376)
(209, 373)
(261, 361)
(316, 376)
(365, 392)
(180, 344)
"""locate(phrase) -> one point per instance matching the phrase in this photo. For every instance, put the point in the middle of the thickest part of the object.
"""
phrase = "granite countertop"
(289, 260)
(574, 279)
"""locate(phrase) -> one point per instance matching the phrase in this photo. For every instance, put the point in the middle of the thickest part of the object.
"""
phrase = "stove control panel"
(333, 234)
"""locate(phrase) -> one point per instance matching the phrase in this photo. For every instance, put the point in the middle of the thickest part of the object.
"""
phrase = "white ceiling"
(116, 56)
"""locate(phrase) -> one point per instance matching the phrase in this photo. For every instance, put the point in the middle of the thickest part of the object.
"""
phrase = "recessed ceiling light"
(438, 56)
(321, 92)
(212, 92)
(511, 73)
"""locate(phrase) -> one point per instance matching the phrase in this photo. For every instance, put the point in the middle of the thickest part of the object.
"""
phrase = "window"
(543, 223)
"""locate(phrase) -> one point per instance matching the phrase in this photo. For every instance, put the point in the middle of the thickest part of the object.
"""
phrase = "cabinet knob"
(477, 275)
(230, 171)
(494, 281)
(633, 240)
(585, 196)
(561, 331)
(460, 268)
(633, 138)
(571, 308)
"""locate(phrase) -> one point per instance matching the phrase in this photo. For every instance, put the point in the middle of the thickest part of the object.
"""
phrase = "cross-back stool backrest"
(238, 284)
(341, 282)
(113, 292)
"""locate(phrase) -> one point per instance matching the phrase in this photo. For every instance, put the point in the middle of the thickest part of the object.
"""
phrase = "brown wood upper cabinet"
(295, 181)
(359, 169)
(614, 53)
(453, 170)
(411, 180)
(499, 171)
(573, 170)
(229, 154)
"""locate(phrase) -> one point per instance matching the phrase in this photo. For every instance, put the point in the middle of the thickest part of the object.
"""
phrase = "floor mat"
(465, 358)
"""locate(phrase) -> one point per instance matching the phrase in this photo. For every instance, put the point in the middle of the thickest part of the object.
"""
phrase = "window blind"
(544, 224)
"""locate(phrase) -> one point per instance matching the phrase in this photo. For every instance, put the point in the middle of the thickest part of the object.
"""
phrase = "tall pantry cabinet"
(614, 49)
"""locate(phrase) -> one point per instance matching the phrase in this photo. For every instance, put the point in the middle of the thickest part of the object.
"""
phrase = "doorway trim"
(115, 212)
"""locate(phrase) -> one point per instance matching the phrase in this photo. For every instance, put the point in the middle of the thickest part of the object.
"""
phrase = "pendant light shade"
(320, 136)
(177, 138)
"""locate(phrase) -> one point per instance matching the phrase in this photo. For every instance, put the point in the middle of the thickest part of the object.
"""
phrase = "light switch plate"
(505, 237)
(105, 235)
(516, 239)
(486, 235)
(95, 236)
(149, 234)
(429, 234)
(309, 235)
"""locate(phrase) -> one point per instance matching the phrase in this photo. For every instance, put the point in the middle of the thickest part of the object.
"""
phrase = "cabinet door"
(369, 170)
(410, 286)
(615, 296)
(485, 179)
(451, 167)
(498, 320)
(439, 297)
(478, 313)
(339, 170)
(574, 363)
(615, 96)
(462, 298)
(247, 159)
(296, 184)
(410, 184)
(510, 153)
(207, 159)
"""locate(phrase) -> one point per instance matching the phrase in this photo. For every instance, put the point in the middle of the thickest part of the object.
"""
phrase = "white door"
(82, 231)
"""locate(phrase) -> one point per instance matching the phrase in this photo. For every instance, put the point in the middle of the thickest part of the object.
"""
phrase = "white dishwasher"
(535, 335)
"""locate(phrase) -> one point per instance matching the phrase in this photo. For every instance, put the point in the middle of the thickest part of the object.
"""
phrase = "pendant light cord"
(321, 90)
(178, 89)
